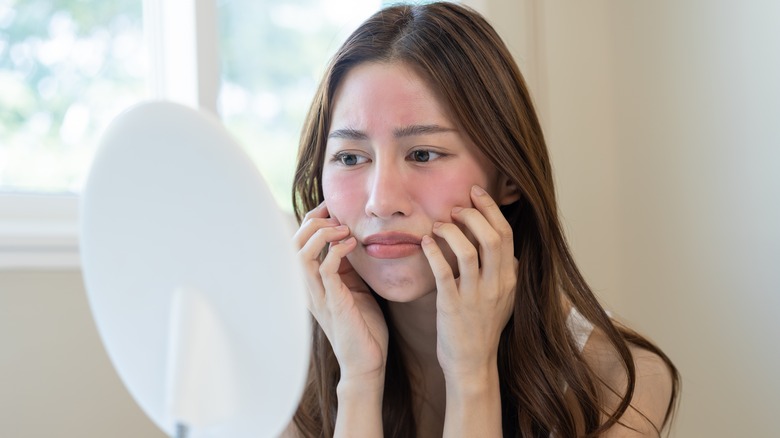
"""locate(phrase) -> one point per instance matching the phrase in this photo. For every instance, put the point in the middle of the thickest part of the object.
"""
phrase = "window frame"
(41, 231)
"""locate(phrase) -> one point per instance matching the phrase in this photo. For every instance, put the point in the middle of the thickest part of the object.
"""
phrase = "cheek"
(453, 190)
(342, 195)
(450, 190)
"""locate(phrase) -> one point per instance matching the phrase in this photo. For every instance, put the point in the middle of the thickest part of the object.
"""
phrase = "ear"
(507, 192)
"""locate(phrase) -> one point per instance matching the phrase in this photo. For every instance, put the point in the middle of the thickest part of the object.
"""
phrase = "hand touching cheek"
(472, 309)
(339, 299)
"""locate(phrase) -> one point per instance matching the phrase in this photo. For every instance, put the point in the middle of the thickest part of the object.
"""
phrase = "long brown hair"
(465, 61)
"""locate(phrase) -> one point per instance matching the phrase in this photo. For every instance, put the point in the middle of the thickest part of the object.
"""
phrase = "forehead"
(376, 92)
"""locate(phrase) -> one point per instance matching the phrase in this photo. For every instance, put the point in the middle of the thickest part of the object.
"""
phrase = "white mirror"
(191, 276)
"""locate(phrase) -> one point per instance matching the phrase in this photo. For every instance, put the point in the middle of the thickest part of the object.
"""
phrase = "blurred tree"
(273, 53)
(65, 67)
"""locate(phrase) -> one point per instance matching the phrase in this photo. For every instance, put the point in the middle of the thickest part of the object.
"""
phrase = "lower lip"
(395, 251)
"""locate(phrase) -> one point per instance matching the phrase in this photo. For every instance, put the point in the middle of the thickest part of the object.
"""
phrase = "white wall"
(663, 120)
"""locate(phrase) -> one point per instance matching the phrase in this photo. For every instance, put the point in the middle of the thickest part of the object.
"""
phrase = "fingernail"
(477, 190)
(436, 224)
(456, 210)
(426, 240)
(342, 228)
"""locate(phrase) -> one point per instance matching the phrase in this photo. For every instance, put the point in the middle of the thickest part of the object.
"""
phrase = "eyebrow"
(407, 131)
(348, 134)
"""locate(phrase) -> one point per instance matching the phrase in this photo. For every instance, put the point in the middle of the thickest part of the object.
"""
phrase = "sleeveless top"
(579, 327)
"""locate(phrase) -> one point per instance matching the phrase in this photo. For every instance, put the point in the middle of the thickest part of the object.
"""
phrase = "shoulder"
(653, 388)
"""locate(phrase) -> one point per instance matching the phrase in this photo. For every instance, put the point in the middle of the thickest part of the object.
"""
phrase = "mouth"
(392, 245)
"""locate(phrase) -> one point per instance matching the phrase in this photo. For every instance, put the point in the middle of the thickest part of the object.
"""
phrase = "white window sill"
(39, 232)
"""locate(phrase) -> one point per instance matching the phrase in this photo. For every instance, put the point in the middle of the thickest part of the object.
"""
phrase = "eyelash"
(340, 157)
(428, 152)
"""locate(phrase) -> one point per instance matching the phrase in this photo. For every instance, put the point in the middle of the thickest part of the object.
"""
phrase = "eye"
(349, 159)
(423, 156)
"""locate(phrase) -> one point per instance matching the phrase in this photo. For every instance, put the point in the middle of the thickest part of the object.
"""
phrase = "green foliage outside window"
(273, 54)
(66, 68)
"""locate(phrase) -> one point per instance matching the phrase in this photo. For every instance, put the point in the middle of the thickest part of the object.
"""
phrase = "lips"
(392, 245)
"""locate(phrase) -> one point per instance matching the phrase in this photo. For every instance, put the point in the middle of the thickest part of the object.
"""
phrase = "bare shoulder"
(652, 392)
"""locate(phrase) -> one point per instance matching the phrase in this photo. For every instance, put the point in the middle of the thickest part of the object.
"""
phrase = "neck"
(415, 323)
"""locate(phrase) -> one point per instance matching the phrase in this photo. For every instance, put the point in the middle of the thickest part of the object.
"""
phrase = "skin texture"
(397, 165)
(389, 190)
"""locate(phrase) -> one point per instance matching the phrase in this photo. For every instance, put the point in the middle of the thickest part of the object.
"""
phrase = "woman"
(446, 299)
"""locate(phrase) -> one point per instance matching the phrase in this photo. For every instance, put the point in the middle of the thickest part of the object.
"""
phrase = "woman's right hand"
(340, 300)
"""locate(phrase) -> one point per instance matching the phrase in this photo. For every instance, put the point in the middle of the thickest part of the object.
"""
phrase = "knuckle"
(493, 242)
(319, 234)
(510, 282)
(443, 227)
(314, 222)
(313, 266)
(469, 211)
(470, 255)
(324, 267)
(505, 231)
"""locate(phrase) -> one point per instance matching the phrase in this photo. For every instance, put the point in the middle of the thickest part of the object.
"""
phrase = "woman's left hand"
(473, 309)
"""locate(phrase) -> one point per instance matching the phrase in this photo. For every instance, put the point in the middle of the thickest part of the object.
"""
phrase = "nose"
(387, 192)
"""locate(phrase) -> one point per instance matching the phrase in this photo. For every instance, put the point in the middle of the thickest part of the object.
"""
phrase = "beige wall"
(698, 128)
(55, 378)
(663, 120)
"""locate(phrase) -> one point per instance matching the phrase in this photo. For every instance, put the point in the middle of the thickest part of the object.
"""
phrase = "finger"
(489, 241)
(315, 219)
(335, 292)
(465, 252)
(491, 211)
(308, 228)
(318, 211)
(351, 278)
(316, 293)
(446, 287)
(309, 256)
(310, 251)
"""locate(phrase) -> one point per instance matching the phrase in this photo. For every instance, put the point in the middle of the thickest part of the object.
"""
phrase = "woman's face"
(395, 163)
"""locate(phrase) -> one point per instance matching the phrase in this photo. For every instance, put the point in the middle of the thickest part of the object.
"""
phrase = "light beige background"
(55, 378)
(663, 120)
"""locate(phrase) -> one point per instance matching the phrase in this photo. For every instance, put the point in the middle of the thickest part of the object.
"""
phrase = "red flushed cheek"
(444, 195)
(341, 196)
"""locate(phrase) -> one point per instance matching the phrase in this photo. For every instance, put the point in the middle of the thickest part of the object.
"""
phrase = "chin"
(401, 294)
(398, 280)
(399, 285)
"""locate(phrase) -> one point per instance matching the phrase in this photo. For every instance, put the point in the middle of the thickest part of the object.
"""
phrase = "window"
(272, 56)
(67, 67)
(59, 62)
